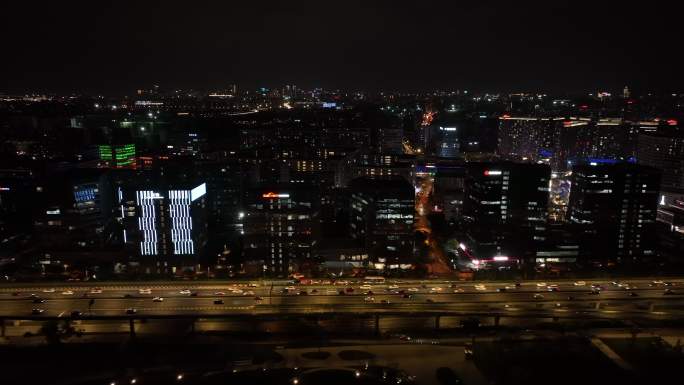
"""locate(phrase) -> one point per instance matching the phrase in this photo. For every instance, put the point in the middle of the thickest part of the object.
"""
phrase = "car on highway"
(480, 287)
(366, 287)
(38, 300)
(413, 289)
(579, 283)
(384, 301)
(552, 288)
(369, 299)
(37, 311)
(253, 285)
(541, 284)
(144, 291)
(50, 290)
(131, 310)
(301, 292)
(501, 290)
(669, 284)
(96, 290)
(220, 293)
(468, 350)
(459, 290)
(393, 287)
(595, 292)
(185, 292)
(314, 291)
(218, 301)
(290, 288)
(76, 314)
(407, 296)
(668, 292)
(67, 292)
(538, 296)
(257, 298)
(158, 299)
(436, 289)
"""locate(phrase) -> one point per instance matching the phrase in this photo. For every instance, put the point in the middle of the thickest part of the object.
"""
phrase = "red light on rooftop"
(672, 122)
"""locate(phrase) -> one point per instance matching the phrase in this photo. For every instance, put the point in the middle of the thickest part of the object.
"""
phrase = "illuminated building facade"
(280, 225)
(381, 219)
(118, 155)
(665, 151)
(166, 224)
(506, 205)
(616, 205)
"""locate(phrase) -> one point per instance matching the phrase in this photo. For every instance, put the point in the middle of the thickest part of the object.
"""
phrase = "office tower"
(164, 223)
(381, 219)
(506, 205)
(118, 155)
(616, 207)
(280, 226)
(664, 150)
(670, 230)
(389, 140)
(448, 190)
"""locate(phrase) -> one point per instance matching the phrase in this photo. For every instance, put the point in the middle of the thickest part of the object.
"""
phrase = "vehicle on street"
(413, 289)
(68, 292)
(218, 301)
(158, 299)
(50, 290)
(185, 292)
(541, 284)
(38, 300)
(384, 302)
(668, 292)
(37, 311)
(579, 283)
(144, 291)
(220, 293)
(96, 290)
(369, 299)
(538, 296)
(76, 314)
(131, 310)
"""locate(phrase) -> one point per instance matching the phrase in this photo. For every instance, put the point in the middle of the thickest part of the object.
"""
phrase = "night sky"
(117, 47)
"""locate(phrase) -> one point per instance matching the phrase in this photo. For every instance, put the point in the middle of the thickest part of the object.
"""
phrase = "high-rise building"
(664, 150)
(165, 224)
(506, 204)
(616, 205)
(280, 226)
(381, 219)
(118, 155)
(448, 190)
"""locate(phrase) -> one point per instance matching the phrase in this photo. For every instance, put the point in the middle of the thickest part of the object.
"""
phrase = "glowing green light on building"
(120, 155)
